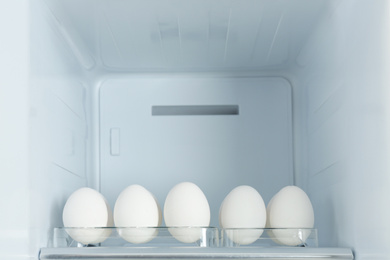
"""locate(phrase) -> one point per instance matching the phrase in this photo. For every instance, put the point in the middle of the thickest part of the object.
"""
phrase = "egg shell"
(243, 208)
(185, 208)
(85, 212)
(290, 208)
(136, 214)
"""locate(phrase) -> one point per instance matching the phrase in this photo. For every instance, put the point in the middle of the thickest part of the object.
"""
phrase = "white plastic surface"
(43, 128)
(216, 152)
(58, 55)
(342, 106)
(14, 130)
(200, 34)
(173, 35)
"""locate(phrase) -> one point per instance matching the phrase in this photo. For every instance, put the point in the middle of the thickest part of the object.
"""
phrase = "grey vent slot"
(195, 110)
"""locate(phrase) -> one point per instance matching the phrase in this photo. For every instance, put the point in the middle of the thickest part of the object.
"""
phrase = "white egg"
(85, 213)
(136, 214)
(244, 209)
(185, 210)
(290, 208)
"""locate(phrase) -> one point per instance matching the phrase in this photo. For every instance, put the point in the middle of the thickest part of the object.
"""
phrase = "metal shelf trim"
(117, 253)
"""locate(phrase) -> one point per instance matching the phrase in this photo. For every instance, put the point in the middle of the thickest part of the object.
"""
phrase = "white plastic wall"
(59, 131)
(44, 133)
(57, 55)
(217, 152)
(343, 100)
(14, 129)
(190, 36)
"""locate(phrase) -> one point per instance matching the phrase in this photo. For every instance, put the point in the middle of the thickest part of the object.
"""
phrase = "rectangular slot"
(195, 110)
(115, 141)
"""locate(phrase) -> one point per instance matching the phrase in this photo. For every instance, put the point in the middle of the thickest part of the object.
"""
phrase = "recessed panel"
(216, 132)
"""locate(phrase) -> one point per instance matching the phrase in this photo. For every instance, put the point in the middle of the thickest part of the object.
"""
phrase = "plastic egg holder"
(208, 237)
(270, 237)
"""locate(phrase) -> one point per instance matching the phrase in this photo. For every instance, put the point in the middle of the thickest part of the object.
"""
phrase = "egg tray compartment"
(269, 237)
(211, 237)
(137, 237)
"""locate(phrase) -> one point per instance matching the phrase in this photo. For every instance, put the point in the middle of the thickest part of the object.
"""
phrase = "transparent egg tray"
(200, 243)
(168, 237)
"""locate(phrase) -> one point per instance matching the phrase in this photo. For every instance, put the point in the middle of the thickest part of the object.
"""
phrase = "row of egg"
(187, 206)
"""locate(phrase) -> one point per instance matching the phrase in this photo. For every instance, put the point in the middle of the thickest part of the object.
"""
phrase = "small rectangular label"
(115, 141)
(195, 110)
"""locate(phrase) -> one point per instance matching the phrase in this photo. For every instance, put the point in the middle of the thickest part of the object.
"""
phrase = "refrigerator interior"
(86, 85)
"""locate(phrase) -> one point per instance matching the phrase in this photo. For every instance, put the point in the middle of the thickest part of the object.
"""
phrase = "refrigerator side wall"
(14, 129)
(43, 129)
(345, 103)
(58, 122)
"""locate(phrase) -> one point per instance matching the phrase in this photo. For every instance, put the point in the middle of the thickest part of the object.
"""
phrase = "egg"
(186, 209)
(290, 208)
(85, 212)
(137, 214)
(244, 209)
